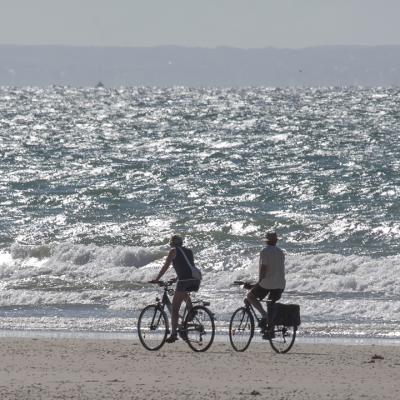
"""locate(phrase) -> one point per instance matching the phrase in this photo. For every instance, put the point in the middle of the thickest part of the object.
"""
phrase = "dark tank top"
(182, 269)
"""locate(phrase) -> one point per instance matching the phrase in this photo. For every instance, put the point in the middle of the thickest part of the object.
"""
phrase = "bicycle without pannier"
(281, 337)
(196, 326)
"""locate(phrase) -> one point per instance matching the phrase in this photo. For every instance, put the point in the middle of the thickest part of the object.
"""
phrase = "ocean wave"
(70, 262)
(329, 286)
(306, 273)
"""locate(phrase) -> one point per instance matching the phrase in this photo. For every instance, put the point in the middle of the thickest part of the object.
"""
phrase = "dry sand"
(49, 368)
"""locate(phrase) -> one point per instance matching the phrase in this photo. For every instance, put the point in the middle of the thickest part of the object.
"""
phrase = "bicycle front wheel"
(199, 328)
(152, 327)
(283, 338)
(241, 329)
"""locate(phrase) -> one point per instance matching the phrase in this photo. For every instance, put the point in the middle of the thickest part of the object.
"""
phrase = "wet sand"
(53, 368)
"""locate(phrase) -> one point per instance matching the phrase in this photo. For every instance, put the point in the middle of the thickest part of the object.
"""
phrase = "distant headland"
(199, 67)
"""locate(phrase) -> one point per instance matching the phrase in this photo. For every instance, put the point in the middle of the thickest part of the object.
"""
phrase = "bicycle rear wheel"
(241, 329)
(199, 328)
(284, 338)
(152, 327)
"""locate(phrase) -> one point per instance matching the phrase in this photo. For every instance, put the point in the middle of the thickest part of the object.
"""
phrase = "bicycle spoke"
(199, 328)
(152, 327)
(284, 338)
(241, 329)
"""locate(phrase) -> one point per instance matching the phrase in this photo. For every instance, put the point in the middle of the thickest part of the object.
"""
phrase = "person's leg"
(273, 297)
(176, 304)
(252, 297)
(191, 286)
(188, 302)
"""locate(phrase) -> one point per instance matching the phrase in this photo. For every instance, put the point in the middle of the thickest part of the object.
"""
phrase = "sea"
(94, 181)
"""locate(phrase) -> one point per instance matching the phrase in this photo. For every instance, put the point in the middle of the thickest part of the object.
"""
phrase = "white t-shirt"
(273, 258)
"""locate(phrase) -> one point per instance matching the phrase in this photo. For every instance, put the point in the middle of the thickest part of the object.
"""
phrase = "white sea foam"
(73, 261)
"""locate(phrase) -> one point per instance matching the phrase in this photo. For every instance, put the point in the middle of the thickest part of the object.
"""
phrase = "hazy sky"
(205, 23)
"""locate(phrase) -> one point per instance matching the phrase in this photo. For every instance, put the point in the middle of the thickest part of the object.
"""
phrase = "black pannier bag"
(284, 314)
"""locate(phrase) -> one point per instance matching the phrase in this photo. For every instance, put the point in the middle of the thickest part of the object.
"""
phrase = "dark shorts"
(260, 293)
(188, 285)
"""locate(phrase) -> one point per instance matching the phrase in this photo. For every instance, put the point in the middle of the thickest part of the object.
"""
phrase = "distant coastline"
(199, 67)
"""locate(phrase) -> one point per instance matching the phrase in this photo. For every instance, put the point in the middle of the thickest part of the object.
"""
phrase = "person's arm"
(262, 271)
(167, 263)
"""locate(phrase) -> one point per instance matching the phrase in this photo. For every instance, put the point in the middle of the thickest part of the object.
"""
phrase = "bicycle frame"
(165, 301)
(250, 307)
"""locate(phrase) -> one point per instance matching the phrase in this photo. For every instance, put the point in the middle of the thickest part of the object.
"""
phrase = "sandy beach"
(50, 368)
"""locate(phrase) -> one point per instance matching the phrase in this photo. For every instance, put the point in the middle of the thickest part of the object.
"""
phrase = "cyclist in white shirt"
(271, 278)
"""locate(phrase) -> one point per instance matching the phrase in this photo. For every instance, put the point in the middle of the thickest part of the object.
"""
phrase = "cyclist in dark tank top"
(189, 278)
(182, 269)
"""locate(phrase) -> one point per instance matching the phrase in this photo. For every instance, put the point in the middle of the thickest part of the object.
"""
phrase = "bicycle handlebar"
(163, 283)
(246, 285)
